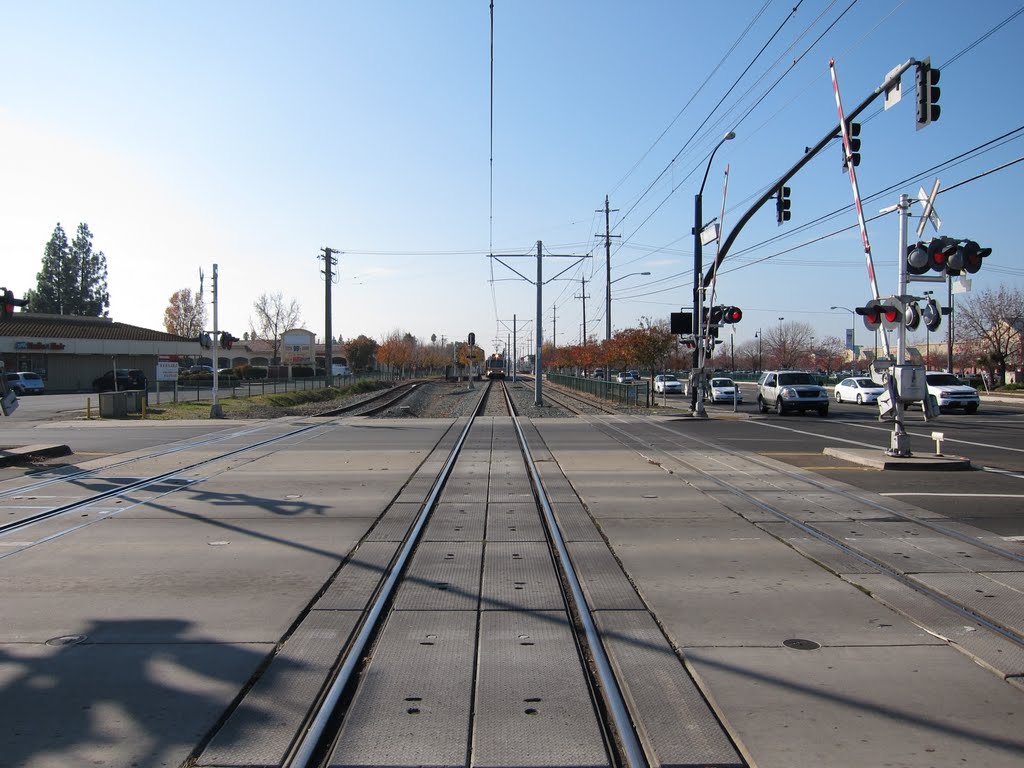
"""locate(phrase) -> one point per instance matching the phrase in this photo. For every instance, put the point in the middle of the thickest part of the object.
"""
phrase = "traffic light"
(8, 304)
(204, 340)
(731, 314)
(853, 134)
(226, 340)
(931, 315)
(472, 339)
(918, 259)
(911, 315)
(712, 317)
(927, 93)
(782, 205)
(872, 314)
(972, 254)
(939, 251)
(892, 313)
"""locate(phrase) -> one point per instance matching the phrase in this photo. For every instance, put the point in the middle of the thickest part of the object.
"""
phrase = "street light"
(757, 336)
(853, 338)
(696, 404)
(609, 308)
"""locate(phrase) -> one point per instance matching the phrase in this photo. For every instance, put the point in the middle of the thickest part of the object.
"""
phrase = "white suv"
(25, 383)
(787, 391)
(950, 392)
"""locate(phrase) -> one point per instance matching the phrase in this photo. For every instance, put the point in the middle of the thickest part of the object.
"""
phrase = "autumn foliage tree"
(185, 314)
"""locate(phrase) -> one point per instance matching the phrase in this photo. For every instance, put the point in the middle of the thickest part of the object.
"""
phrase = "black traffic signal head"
(226, 340)
(731, 314)
(918, 260)
(927, 93)
(939, 251)
(472, 339)
(872, 314)
(972, 256)
(782, 205)
(931, 315)
(715, 315)
(8, 305)
(853, 135)
(204, 340)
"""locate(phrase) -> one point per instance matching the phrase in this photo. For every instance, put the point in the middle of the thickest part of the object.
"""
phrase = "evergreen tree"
(73, 278)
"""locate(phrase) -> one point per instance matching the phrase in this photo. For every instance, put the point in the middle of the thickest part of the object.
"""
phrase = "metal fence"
(637, 393)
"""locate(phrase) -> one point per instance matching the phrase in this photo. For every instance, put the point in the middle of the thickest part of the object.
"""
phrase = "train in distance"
(494, 368)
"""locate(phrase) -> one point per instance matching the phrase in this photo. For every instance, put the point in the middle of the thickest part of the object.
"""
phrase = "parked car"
(624, 377)
(126, 378)
(723, 390)
(668, 384)
(787, 391)
(25, 383)
(201, 369)
(857, 389)
(949, 392)
(599, 373)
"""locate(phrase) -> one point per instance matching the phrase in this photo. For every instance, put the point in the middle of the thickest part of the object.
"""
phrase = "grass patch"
(259, 406)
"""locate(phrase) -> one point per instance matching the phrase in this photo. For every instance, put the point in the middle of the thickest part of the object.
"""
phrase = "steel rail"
(304, 750)
(612, 694)
(390, 396)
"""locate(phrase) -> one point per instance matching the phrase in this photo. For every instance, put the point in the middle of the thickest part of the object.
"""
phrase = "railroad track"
(375, 404)
(468, 635)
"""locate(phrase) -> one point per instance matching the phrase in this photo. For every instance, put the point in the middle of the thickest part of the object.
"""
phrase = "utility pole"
(583, 295)
(329, 262)
(554, 325)
(608, 271)
(216, 412)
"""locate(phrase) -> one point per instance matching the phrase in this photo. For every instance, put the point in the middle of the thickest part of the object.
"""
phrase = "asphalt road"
(990, 495)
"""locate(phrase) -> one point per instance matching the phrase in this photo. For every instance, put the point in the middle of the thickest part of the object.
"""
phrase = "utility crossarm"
(892, 77)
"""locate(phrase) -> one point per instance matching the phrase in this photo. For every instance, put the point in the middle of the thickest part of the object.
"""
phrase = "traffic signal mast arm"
(891, 78)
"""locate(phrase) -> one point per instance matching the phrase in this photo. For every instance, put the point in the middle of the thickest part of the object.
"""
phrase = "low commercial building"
(70, 351)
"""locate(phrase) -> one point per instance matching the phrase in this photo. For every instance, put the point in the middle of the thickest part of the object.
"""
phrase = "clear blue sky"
(252, 134)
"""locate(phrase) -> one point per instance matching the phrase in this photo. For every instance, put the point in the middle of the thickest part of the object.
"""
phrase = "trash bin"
(113, 405)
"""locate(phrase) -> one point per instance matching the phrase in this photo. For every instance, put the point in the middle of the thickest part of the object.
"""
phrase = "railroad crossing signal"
(880, 311)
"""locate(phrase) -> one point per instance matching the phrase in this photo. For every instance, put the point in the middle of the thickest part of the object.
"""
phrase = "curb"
(20, 454)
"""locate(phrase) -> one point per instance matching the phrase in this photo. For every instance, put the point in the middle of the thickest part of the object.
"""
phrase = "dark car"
(127, 378)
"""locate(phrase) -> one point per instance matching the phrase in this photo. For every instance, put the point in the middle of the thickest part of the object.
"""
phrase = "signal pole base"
(899, 446)
(216, 412)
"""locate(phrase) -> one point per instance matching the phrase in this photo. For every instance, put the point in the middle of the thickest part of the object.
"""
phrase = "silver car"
(25, 383)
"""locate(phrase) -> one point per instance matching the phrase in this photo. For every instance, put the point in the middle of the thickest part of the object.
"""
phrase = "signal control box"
(911, 385)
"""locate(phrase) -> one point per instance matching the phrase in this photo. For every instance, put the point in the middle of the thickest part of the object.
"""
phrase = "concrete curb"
(19, 454)
(877, 458)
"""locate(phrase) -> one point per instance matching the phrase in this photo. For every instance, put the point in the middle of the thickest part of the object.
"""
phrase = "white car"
(723, 390)
(25, 383)
(857, 389)
(668, 384)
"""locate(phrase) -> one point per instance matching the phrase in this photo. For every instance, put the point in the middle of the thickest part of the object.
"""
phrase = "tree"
(73, 278)
(185, 314)
(273, 317)
(787, 346)
(360, 353)
(987, 319)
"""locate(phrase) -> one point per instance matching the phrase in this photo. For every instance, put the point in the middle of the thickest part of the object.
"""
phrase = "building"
(70, 351)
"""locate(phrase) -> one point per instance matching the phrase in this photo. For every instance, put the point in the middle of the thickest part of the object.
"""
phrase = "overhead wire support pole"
(329, 262)
(608, 269)
(539, 283)
(808, 155)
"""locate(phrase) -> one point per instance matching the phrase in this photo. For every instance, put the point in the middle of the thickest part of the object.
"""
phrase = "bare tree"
(988, 320)
(274, 316)
(789, 345)
(185, 314)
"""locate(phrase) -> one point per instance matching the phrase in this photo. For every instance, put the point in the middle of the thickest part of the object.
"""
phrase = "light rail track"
(477, 641)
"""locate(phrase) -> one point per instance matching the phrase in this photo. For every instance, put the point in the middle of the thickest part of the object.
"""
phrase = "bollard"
(938, 437)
